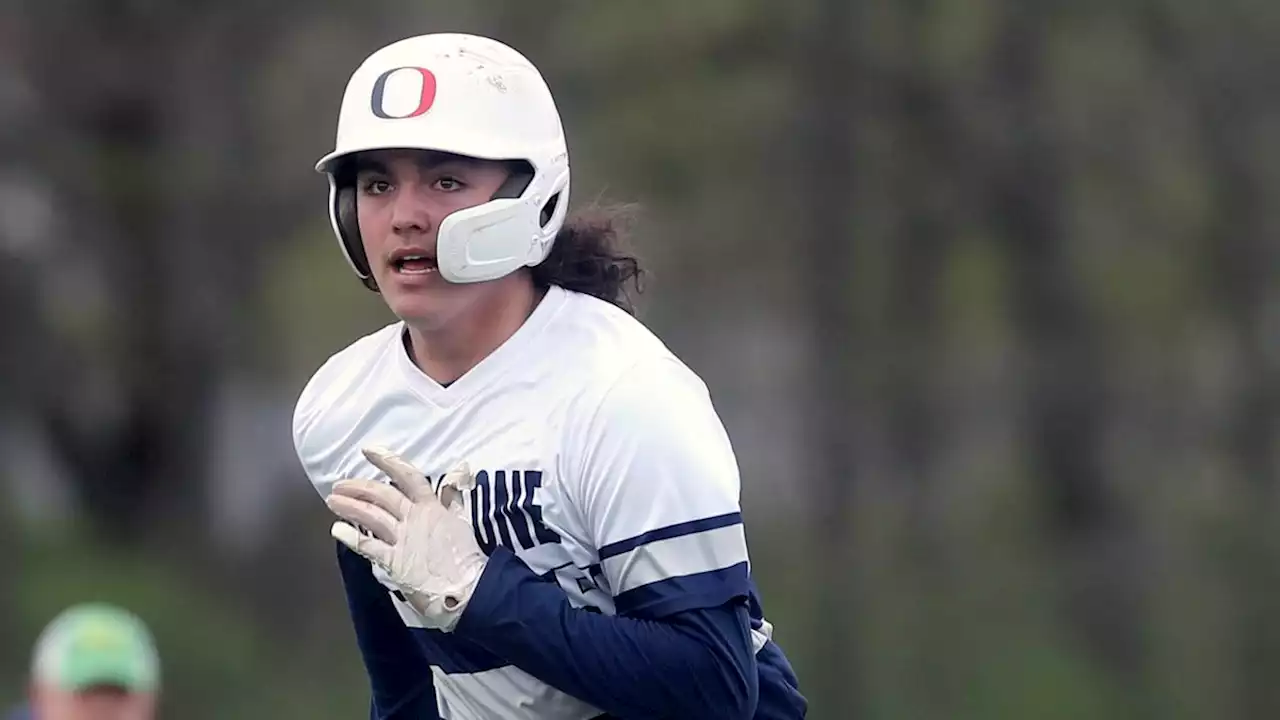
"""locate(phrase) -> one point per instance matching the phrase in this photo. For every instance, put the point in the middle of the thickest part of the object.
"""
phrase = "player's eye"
(374, 186)
(449, 183)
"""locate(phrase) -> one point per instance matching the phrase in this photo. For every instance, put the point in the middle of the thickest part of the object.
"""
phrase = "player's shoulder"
(625, 365)
(608, 343)
(343, 376)
(645, 414)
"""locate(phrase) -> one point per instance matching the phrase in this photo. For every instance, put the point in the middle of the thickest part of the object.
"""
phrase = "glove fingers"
(403, 475)
(371, 549)
(454, 484)
(383, 495)
(368, 515)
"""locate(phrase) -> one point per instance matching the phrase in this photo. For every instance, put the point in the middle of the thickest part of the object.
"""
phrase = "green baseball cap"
(97, 644)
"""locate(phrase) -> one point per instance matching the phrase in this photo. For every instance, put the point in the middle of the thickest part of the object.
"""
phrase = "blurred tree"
(149, 144)
(829, 85)
(929, 142)
(1224, 62)
(1065, 407)
(1235, 113)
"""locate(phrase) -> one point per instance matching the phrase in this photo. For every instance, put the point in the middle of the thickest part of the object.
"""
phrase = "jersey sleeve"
(400, 680)
(305, 426)
(320, 454)
(660, 495)
(400, 677)
(328, 407)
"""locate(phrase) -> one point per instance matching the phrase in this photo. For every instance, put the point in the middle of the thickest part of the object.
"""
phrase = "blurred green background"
(984, 289)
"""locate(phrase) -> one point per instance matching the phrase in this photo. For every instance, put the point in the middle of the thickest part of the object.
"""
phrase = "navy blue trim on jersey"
(687, 592)
(670, 531)
(698, 663)
(399, 674)
(754, 606)
(692, 663)
(454, 654)
(779, 697)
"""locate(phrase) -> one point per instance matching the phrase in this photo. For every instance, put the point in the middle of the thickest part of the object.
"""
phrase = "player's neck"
(446, 354)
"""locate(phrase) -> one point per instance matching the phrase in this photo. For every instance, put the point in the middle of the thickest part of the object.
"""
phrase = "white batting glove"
(423, 542)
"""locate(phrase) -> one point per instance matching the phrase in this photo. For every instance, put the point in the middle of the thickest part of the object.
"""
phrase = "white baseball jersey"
(599, 461)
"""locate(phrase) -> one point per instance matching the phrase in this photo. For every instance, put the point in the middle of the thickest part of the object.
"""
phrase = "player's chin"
(419, 306)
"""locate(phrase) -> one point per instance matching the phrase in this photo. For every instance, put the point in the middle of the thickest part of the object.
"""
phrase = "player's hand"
(422, 541)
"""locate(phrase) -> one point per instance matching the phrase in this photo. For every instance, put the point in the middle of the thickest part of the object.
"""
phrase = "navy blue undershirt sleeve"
(692, 663)
(399, 675)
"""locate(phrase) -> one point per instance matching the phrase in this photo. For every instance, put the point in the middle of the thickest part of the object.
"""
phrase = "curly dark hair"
(590, 256)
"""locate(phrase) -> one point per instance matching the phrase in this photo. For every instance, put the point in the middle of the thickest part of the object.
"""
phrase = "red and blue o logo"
(426, 96)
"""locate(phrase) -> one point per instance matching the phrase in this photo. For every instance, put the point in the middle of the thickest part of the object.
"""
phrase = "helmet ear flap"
(344, 202)
(518, 179)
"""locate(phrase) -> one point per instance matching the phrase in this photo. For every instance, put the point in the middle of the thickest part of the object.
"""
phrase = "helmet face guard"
(469, 96)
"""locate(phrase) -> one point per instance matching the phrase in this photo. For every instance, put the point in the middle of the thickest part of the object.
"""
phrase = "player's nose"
(410, 212)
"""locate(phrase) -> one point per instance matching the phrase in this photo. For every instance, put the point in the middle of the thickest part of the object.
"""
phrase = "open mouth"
(414, 264)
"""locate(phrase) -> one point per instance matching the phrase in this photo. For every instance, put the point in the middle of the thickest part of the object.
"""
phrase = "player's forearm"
(696, 664)
(399, 677)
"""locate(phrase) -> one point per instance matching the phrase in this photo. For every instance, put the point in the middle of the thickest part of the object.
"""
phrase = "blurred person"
(93, 662)
(573, 545)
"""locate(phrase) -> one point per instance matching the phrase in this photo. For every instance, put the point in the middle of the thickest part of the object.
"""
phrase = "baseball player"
(538, 506)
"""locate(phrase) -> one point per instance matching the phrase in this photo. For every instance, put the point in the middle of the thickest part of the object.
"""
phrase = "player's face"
(402, 196)
(92, 704)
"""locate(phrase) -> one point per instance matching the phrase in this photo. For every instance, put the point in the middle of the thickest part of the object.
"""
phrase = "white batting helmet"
(470, 96)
